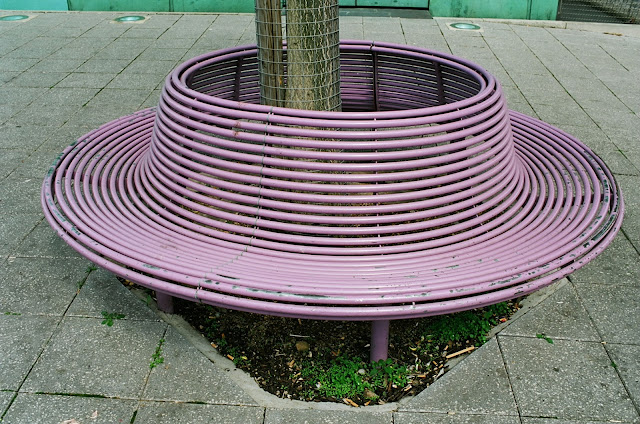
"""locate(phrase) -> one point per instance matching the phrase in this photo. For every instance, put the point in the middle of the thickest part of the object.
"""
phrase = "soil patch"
(329, 360)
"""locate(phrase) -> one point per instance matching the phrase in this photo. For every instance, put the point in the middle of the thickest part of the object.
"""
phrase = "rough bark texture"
(313, 55)
(311, 77)
(270, 53)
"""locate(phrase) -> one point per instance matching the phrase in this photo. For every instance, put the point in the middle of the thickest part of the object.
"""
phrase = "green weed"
(346, 377)
(109, 317)
(467, 325)
(340, 379)
(543, 336)
(87, 272)
(385, 372)
(157, 358)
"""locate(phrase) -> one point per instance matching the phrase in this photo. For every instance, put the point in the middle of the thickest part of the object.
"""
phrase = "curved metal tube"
(424, 196)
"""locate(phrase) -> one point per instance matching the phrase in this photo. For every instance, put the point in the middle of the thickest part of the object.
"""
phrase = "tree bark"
(270, 53)
(310, 79)
(313, 55)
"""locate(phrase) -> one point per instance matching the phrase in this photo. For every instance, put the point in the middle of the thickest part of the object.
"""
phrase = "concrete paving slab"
(37, 79)
(89, 358)
(137, 80)
(143, 32)
(24, 52)
(20, 195)
(25, 137)
(614, 309)
(163, 67)
(22, 339)
(565, 379)
(103, 292)
(109, 97)
(522, 108)
(162, 54)
(5, 400)
(17, 64)
(8, 111)
(33, 115)
(124, 49)
(478, 385)
(103, 30)
(43, 241)
(188, 376)
(87, 80)
(62, 137)
(94, 115)
(67, 96)
(64, 31)
(627, 361)
(566, 113)
(7, 75)
(630, 189)
(98, 64)
(36, 164)
(10, 159)
(18, 96)
(388, 37)
(526, 420)
(152, 99)
(631, 192)
(172, 43)
(161, 21)
(55, 409)
(41, 286)
(421, 418)
(618, 264)
(80, 48)
(561, 315)
(170, 413)
(310, 416)
(607, 146)
(14, 230)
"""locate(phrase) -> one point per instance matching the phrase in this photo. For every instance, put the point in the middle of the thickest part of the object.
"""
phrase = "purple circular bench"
(424, 196)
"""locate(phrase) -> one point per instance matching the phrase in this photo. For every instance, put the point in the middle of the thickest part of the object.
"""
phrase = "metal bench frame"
(424, 196)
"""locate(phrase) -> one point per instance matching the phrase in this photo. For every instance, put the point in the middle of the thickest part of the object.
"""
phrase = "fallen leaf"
(350, 402)
(94, 415)
(71, 421)
(302, 346)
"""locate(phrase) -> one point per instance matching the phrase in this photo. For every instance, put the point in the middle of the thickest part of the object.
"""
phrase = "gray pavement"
(63, 74)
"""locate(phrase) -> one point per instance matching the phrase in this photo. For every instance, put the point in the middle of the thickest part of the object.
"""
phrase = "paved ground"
(62, 74)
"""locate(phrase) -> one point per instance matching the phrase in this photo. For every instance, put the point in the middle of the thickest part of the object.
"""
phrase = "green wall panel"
(121, 5)
(392, 3)
(544, 10)
(515, 9)
(34, 4)
(503, 9)
(223, 6)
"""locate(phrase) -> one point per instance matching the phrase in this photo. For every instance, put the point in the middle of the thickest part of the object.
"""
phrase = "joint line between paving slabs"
(604, 346)
(506, 369)
(42, 349)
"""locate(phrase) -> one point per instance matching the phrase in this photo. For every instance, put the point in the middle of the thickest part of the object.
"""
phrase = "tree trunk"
(313, 55)
(312, 78)
(270, 54)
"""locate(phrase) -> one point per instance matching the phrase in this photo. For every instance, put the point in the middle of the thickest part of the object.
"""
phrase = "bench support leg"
(165, 302)
(379, 340)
